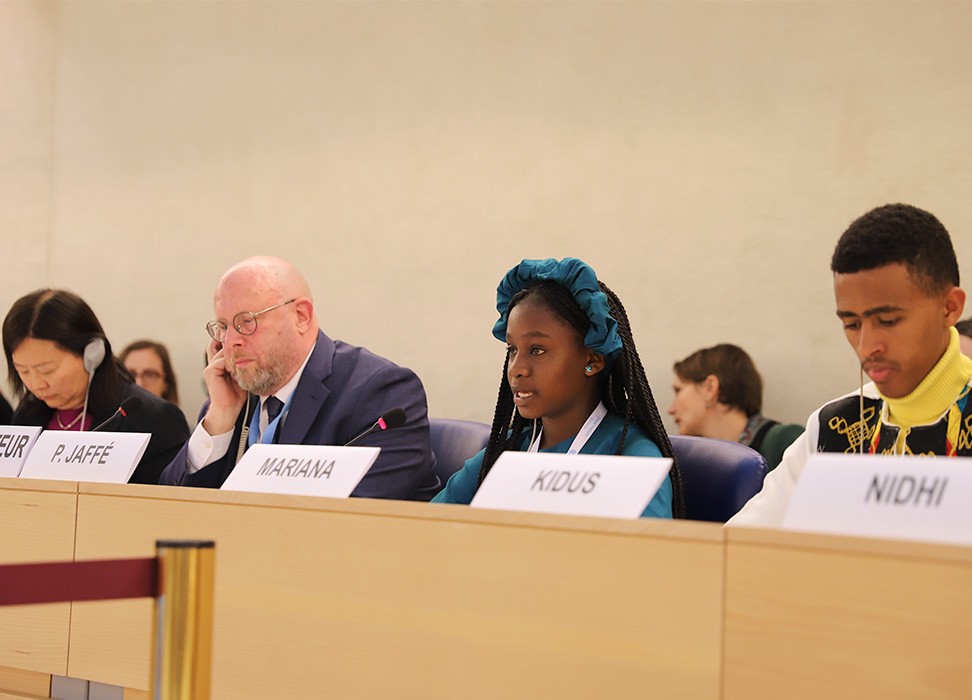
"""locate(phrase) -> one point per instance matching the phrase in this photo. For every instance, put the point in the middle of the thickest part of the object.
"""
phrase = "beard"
(265, 377)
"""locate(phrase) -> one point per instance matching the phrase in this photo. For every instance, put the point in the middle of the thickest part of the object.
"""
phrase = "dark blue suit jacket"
(342, 392)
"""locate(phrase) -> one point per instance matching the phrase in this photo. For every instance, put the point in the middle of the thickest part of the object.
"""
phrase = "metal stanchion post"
(182, 636)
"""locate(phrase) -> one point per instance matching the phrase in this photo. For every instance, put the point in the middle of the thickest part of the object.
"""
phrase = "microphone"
(132, 403)
(395, 418)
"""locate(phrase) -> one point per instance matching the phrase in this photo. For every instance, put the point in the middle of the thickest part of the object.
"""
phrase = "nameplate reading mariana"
(908, 498)
(579, 484)
(301, 470)
(108, 458)
(16, 442)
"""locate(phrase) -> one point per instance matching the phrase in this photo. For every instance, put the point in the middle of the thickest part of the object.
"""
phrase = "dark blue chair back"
(718, 476)
(453, 442)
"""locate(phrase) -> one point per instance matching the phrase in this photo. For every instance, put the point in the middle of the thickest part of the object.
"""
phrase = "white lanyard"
(590, 425)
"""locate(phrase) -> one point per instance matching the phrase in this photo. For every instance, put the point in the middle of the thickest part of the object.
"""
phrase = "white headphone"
(93, 354)
(91, 357)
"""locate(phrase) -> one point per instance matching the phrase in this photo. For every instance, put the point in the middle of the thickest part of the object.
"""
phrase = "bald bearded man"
(267, 347)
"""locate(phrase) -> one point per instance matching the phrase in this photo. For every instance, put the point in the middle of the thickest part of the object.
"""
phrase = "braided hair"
(624, 389)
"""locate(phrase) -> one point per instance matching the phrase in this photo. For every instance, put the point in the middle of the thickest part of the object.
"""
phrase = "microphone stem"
(366, 433)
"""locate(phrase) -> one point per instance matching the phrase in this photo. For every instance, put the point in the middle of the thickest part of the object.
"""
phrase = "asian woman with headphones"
(62, 371)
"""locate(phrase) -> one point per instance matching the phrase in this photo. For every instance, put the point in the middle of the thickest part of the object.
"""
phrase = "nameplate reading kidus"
(578, 484)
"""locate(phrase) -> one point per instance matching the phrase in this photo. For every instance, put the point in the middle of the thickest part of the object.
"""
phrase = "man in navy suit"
(268, 354)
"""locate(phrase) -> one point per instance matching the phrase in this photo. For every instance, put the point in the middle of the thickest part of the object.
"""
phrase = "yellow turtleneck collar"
(936, 392)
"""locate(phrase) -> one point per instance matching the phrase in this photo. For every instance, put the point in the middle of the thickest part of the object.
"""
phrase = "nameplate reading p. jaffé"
(16, 442)
(308, 470)
(578, 484)
(908, 498)
(108, 458)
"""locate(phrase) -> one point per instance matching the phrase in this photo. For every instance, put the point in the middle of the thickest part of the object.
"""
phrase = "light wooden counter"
(368, 598)
(36, 525)
(372, 599)
(814, 616)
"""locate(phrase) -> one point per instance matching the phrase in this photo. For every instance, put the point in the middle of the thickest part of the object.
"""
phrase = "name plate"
(16, 442)
(301, 470)
(108, 458)
(601, 485)
(912, 498)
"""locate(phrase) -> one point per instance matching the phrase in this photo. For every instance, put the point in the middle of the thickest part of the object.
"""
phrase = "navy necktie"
(274, 406)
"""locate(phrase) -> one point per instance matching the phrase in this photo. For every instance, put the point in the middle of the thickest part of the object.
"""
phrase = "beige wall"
(704, 157)
(27, 58)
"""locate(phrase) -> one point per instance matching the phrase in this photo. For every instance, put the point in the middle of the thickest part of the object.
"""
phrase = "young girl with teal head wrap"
(571, 363)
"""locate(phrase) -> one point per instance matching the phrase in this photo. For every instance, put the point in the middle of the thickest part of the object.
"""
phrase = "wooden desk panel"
(812, 616)
(37, 525)
(374, 598)
(361, 598)
(17, 683)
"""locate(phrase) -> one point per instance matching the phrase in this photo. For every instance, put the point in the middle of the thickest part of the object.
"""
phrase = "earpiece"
(94, 354)
(92, 357)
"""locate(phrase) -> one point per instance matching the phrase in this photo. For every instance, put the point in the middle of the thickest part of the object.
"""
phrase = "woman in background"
(719, 394)
(149, 364)
(63, 373)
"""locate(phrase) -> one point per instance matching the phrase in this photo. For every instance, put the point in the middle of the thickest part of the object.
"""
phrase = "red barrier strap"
(58, 582)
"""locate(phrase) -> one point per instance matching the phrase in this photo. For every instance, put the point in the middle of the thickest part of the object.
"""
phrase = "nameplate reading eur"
(907, 498)
(579, 484)
(301, 470)
(16, 442)
(108, 458)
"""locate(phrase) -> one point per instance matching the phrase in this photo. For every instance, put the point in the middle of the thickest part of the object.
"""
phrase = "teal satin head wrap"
(581, 281)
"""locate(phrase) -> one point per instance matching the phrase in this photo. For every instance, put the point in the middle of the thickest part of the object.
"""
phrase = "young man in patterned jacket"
(896, 284)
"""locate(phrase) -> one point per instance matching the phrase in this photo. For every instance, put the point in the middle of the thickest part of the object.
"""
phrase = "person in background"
(149, 364)
(719, 394)
(572, 380)
(275, 377)
(896, 287)
(63, 372)
(964, 328)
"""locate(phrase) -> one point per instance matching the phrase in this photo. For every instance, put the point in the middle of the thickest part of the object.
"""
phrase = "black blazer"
(164, 420)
